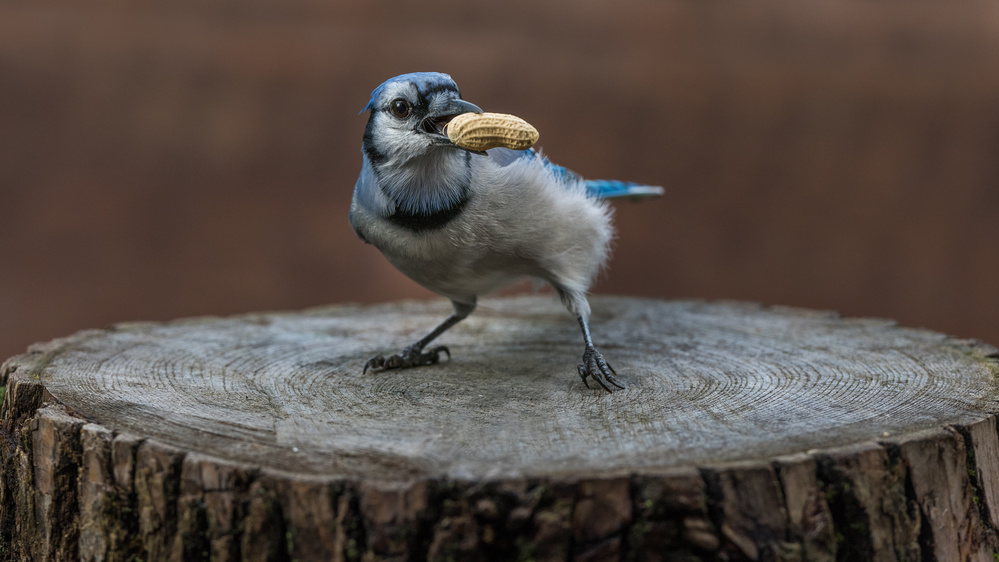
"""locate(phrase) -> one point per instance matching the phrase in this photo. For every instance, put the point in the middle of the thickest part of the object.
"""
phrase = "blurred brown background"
(168, 159)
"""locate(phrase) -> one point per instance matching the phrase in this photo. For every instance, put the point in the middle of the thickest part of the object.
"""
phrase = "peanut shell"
(482, 131)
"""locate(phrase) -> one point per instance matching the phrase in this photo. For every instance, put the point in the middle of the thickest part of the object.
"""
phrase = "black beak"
(439, 117)
(457, 107)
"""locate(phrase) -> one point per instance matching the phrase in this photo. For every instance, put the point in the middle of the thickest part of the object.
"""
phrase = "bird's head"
(408, 115)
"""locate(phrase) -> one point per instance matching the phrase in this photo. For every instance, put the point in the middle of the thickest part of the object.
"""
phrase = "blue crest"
(424, 81)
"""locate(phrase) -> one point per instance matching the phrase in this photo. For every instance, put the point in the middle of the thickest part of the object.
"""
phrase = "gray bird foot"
(409, 357)
(594, 365)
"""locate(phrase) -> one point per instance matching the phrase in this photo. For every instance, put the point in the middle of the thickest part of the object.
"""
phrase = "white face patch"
(414, 170)
(394, 135)
(397, 139)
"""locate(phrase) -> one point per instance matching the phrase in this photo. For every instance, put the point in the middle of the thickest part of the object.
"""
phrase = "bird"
(464, 223)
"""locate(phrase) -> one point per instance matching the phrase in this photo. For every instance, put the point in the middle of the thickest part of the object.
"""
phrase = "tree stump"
(744, 433)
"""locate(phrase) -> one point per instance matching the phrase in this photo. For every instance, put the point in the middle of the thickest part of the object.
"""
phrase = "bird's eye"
(400, 108)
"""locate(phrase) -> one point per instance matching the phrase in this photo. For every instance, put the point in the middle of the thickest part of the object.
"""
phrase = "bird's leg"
(594, 365)
(413, 355)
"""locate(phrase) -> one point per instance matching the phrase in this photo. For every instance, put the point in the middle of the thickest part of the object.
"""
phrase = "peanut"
(482, 131)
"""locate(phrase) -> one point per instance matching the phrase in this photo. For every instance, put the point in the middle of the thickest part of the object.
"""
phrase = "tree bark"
(744, 433)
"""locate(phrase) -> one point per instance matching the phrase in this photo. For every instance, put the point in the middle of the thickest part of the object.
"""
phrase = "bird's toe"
(376, 362)
(596, 367)
(409, 357)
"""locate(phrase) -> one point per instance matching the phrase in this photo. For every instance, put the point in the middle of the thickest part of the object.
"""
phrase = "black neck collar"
(431, 220)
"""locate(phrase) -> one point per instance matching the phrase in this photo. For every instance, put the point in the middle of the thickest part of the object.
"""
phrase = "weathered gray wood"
(745, 433)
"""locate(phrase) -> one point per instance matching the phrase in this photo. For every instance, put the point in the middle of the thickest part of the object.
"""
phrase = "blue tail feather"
(609, 189)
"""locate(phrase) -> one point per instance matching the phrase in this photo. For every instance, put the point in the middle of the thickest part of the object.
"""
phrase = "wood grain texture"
(744, 433)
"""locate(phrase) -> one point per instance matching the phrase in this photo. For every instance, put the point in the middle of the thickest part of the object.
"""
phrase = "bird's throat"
(429, 192)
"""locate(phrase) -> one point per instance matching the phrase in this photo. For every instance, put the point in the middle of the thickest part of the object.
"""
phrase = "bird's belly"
(460, 277)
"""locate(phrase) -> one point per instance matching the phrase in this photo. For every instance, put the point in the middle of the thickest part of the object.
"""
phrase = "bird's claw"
(595, 366)
(409, 357)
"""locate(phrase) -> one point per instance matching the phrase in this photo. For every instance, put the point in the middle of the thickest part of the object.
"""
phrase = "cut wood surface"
(744, 432)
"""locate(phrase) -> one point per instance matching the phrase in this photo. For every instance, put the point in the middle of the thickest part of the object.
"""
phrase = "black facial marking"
(374, 155)
(434, 88)
(422, 105)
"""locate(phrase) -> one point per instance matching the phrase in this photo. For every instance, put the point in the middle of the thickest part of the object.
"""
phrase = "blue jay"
(465, 223)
